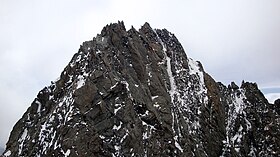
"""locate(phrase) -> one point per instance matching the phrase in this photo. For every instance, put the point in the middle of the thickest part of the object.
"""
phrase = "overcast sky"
(234, 40)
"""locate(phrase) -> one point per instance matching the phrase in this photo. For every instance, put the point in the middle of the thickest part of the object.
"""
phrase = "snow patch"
(115, 127)
(67, 153)
(119, 106)
(147, 130)
(127, 88)
(102, 137)
(21, 141)
(98, 52)
(195, 70)
(171, 78)
(236, 108)
(114, 86)
(172, 90)
(126, 85)
(154, 97)
(39, 106)
(194, 67)
(177, 145)
(237, 150)
(8, 153)
(78, 58)
(156, 105)
(81, 81)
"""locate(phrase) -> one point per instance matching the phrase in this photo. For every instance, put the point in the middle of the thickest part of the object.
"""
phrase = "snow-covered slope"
(136, 93)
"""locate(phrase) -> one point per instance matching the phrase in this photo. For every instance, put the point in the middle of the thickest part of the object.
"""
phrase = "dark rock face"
(136, 93)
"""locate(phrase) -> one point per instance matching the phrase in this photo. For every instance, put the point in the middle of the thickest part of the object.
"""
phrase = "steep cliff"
(136, 93)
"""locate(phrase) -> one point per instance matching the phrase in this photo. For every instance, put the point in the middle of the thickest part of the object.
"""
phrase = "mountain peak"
(136, 93)
(146, 27)
(115, 27)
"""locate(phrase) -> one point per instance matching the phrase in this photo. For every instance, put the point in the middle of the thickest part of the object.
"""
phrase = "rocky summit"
(136, 93)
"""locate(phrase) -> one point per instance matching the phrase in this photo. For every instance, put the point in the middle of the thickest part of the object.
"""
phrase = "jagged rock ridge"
(136, 93)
